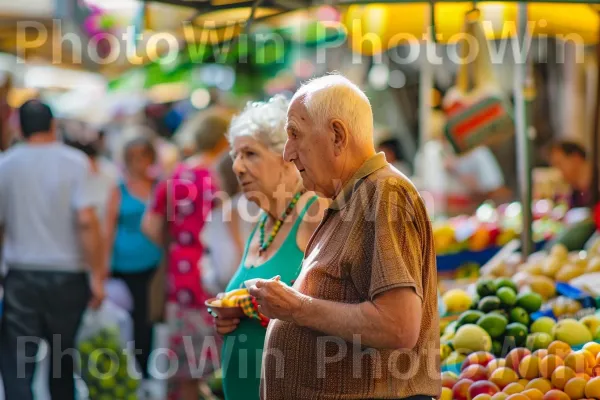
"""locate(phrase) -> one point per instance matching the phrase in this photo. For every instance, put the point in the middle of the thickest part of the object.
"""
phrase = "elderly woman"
(276, 245)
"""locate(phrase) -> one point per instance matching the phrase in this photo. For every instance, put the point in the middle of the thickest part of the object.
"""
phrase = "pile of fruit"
(553, 373)
(104, 367)
(494, 227)
(497, 315)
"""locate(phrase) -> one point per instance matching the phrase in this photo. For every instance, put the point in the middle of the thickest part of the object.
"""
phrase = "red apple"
(514, 357)
(483, 387)
(449, 379)
(461, 389)
(479, 357)
(475, 373)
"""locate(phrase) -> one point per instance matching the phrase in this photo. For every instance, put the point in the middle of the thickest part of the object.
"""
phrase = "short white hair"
(335, 96)
(264, 121)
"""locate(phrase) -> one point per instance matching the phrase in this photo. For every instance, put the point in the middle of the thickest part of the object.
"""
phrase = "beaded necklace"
(265, 245)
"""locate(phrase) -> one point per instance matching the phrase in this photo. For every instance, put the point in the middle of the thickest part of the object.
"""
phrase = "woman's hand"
(226, 325)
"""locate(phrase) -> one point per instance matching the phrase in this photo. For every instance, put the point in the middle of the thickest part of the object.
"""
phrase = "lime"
(486, 287)
(519, 315)
(494, 324)
(507, 296)
(517, 331)
(108, 383)
(506, 282)
(120, 392)
(531, 302)
(540, 340)
(543, 325)
(476, 299)
(500, 312)
(496, 348)
(132, 384)
(469, 317)
(489, 303)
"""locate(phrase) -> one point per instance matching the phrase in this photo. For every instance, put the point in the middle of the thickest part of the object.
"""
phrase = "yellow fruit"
(494, 365)
(534, 268)
(577, 361)
(561, 376)
(568, 272)
(559, 348)
(517, 396)
(513, 388)
(592, 347)
(504, 376)
(556, 394)
(236, 292)
(217, 303)
(500, 396)
(482, 396)
(523, 382)
(529, 367)
(559, 251)
(592, 388)
(593, 265)
(456, 300)
(446, 394)
(541, 384)
(549, 364)
(551, 266)
(591, 322)
(571, 332)
(575, 388)
(583, 376)
(543, 286)
(533, 394)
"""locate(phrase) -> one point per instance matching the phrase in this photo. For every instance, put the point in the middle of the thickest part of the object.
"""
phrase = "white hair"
(264, 121)
(335, 96)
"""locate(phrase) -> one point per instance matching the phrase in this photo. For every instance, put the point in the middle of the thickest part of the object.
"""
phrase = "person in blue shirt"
(132, 256)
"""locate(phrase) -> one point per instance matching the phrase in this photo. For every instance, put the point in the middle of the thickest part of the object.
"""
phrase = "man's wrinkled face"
(309, 147)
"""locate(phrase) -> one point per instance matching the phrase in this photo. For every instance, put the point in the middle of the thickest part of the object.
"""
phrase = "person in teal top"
(276, 245)
(133, 257)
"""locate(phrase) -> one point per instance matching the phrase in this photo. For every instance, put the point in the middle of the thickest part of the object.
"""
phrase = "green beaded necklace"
(265, 245)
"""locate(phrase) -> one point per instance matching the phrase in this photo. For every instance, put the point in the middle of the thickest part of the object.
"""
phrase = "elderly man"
(361, 320)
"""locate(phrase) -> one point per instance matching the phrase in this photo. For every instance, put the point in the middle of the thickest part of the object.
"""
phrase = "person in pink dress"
(176, 218)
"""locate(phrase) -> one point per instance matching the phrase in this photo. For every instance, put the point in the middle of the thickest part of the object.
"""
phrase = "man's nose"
(289, 152)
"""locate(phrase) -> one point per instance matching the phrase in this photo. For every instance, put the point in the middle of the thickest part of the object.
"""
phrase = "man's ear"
(340, 135)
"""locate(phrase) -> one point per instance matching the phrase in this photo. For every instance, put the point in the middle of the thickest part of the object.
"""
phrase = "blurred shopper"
(133, 257)
(368, 287)
(277, 243)
(51, 238)
(176, 218)
(393, 154)
(571, 160)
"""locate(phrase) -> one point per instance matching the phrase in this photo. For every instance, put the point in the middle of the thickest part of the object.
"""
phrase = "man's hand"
(97, 288)
(276, 300)
(226, 325)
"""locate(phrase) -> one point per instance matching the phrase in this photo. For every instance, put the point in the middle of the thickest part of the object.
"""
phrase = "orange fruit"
(556, 394)
(517, 396)
(591, 359)
(533, 394)
(592, 388)
(592, 347)
(583, 375)
(503, 376)
(529, 367)
(549, 364)
(575, 388)
(561, 376)
(513, 388)
(494, 365)
(482, 396)
(523, 382)
(577, 361)
(559, 348)
(540, 353)
(541, 384)
(499, 396)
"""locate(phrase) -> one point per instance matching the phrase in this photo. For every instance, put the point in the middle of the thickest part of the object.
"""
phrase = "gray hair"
(264, 121)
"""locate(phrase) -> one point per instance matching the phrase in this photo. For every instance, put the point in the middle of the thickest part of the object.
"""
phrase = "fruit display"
(494, 227)
(556, 372)
(104, 367)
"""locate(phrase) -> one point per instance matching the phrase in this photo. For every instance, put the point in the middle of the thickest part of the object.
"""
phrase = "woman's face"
(258, 169)
(139, 160)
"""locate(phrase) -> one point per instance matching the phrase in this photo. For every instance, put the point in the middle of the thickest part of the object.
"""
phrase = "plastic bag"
(107, 365)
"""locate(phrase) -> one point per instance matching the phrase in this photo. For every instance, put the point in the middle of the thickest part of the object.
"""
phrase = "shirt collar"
(374, 163)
